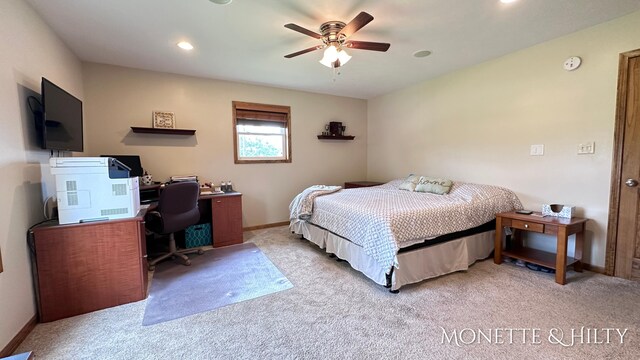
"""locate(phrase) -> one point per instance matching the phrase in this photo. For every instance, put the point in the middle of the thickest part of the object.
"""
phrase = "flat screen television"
(62, 120)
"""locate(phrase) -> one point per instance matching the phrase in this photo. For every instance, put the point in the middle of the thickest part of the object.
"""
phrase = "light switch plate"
(587, 148)
(537, 150)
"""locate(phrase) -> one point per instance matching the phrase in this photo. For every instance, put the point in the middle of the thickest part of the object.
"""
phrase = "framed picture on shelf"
(164, 120)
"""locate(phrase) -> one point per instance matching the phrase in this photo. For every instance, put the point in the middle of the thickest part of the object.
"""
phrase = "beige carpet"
(332, 311)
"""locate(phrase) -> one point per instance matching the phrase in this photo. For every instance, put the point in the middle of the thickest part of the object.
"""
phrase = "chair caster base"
(151, 268)
(200, 252)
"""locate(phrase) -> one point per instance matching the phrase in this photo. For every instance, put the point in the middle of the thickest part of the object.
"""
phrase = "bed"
(397, 237)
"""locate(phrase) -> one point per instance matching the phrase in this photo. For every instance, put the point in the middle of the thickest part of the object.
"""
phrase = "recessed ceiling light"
(221, 2)
(507, 1)
(421, 53)
(185, 45)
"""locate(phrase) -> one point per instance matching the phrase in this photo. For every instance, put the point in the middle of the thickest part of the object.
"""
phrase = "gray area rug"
(216, 278)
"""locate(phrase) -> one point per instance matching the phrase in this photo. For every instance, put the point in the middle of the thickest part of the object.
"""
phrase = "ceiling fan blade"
(304, 51)
(302, 30)
(356, 24)
(367, 45)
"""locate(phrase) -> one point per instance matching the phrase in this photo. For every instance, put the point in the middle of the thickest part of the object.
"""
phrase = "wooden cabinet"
(357, 184)
(560, 227)
(226, 219)
(81, 268)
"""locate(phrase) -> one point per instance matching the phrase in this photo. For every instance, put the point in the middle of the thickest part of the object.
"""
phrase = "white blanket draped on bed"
(383, 219)
(302, 205)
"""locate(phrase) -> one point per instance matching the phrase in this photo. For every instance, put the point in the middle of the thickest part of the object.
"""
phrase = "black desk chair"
(177, 209)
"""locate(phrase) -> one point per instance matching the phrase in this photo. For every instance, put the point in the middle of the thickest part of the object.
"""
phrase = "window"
(261, 133)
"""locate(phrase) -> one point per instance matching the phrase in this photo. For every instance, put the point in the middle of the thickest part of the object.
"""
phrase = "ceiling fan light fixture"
(330, 56)
(334, 58)
(343, 57)
(221, 2)
(326, 63)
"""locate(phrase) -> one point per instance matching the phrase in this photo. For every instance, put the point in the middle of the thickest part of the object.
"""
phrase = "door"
(623, 240)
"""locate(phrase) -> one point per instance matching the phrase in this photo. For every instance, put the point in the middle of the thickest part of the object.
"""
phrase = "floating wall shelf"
(336, 137)
(146, 130)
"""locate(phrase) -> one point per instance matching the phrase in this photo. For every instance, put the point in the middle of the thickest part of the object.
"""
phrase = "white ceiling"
(246, 40)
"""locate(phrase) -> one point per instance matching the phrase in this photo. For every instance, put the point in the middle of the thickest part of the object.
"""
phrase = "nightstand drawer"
(524, 225)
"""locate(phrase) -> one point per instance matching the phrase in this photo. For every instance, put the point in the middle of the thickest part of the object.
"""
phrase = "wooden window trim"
(266, 108)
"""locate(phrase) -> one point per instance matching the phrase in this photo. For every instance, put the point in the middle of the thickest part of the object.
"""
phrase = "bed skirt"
(413, 266)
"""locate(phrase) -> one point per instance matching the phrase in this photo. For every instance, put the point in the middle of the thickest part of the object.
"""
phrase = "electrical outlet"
(587, 148)
(537, 150)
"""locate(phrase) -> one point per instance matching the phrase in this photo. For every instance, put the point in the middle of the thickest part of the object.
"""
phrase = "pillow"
(409, 183)
(433, 185)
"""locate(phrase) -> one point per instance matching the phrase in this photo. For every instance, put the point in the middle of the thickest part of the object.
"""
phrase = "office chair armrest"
(154, 221)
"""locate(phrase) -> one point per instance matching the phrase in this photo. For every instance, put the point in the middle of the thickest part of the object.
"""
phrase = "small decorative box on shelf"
(166, 131)
(336, 137)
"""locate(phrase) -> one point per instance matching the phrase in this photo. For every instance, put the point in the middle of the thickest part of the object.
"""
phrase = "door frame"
(616, 168)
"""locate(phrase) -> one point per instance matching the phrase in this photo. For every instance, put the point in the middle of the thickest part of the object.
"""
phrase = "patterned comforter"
(301, 207)
(383, 219)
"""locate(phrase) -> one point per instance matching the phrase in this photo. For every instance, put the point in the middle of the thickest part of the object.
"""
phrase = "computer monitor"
(131, 161)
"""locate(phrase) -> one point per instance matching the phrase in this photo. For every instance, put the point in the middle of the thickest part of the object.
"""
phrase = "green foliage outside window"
(257, 147)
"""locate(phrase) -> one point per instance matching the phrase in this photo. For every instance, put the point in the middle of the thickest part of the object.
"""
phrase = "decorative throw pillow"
(433, 185)
(409, 183)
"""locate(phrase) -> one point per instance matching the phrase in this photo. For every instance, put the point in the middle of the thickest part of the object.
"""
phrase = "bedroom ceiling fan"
(335, 37)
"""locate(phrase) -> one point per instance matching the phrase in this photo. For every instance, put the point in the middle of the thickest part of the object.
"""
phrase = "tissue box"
(558, 210)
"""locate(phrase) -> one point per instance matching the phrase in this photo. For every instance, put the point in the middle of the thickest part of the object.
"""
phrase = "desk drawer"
(529, 226)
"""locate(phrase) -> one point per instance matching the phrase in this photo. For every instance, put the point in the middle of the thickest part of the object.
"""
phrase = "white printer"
(93, 189)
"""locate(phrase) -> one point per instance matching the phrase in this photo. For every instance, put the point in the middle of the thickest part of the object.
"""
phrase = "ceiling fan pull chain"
(336, 73)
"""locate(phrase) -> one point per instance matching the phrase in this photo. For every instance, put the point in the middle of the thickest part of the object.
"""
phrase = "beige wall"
(28, 51)
(118, 98)
(478, 124)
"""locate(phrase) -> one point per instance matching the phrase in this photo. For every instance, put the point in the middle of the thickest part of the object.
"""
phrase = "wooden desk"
(561, 227)
(85, 267)
(224, 212)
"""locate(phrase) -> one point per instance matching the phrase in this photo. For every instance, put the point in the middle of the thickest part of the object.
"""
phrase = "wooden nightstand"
(561, 227)
(358, 184)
